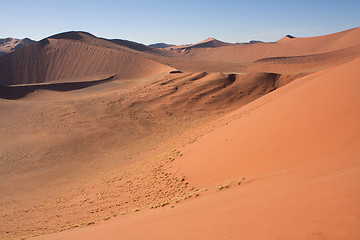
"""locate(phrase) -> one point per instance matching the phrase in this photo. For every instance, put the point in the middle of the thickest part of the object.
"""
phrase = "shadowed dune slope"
(209, 91)
(161, 45)
(69, 57)
(21, 90)
(90, 39)
(290, 160)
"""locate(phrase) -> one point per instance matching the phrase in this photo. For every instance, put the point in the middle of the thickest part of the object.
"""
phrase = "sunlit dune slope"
(288, 164)
(70, 142)
(308, 54)
(282, 48)
(113, 139)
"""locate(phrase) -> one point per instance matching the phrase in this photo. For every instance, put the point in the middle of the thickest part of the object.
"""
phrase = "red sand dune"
(240, 57)
(282, 48)
(249, 141)
(207, 43)
(67, 57)
(298, 150)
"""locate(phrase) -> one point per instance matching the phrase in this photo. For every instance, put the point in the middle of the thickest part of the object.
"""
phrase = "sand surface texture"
(110, 139)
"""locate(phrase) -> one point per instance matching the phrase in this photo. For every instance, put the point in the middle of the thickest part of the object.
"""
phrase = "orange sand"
(104, 139)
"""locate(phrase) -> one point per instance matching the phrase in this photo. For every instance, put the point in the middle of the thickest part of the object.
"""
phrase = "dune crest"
(71, 56)
(240, 57)
(291, 169)
(109, 138)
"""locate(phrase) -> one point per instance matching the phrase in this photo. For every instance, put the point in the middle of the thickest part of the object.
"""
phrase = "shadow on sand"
(20, 91)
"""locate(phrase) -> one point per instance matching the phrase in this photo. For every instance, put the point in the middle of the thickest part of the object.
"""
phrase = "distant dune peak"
(289, 36)
(161, 45)
(72, 35)
(207, 43)
(212, 42)
(210, 39)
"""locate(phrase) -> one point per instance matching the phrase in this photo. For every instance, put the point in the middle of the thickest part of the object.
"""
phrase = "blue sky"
(178, 22)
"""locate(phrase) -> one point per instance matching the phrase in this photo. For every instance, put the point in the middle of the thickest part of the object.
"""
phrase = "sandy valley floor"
(206, 141)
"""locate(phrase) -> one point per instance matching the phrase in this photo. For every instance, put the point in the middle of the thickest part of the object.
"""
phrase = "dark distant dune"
(161, 45)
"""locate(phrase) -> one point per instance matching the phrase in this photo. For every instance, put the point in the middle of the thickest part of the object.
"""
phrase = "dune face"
(303, 178)
(240, 57)
(133, 45)
(71, 56)
(112, 139)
